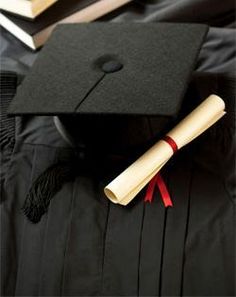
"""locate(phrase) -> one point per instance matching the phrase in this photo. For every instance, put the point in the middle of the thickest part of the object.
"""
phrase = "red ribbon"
(158, 181)
(171, 143)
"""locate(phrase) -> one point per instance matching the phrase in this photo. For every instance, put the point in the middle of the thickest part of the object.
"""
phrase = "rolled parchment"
(130, 182)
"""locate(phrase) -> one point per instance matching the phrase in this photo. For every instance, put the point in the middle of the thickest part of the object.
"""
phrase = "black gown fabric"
(86, 246)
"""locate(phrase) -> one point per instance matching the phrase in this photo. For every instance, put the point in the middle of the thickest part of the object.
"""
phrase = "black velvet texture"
(69, 77)
(86, 246)
(8, 82)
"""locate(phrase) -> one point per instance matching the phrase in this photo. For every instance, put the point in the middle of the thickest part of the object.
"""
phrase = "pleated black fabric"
(8, 81)
(85, 245)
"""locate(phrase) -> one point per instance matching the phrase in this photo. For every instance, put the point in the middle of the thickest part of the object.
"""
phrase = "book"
(35, 34)
(129, 183)
(26, 8)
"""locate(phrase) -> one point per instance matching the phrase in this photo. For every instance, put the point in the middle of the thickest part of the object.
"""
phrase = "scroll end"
(110, 195)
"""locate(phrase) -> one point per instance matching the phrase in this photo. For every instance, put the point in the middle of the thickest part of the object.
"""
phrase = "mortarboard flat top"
(112, 68)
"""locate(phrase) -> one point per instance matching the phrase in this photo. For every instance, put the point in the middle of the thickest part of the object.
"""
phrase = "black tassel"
(45, 187)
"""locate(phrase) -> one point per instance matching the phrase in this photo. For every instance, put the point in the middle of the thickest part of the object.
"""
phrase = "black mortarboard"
(112, 68)
(106, 68)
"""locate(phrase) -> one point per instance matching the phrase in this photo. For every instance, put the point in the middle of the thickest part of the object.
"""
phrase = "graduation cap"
(127, 69)
(112, 68)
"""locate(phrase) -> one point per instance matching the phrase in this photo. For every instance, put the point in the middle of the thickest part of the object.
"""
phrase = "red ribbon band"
(158, 181)
(171, 143)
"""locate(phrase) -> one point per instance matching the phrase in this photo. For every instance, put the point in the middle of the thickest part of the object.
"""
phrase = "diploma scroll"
(130, 182)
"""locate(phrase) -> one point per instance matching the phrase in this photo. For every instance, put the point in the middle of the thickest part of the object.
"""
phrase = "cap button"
(112, 66)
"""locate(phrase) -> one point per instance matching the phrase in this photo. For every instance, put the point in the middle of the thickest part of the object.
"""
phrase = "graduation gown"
(85, 245)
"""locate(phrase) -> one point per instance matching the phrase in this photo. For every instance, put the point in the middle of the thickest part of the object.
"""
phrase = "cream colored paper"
(130, 182)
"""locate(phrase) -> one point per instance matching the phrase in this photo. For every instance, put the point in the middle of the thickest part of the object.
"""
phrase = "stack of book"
(32, 21)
